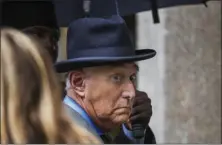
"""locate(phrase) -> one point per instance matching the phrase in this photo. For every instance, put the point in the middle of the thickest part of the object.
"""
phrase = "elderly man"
(101, 92)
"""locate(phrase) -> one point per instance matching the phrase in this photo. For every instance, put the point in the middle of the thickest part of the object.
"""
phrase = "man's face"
(109, 92)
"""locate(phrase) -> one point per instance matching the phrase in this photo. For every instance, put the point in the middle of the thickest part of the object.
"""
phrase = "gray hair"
(67, 83)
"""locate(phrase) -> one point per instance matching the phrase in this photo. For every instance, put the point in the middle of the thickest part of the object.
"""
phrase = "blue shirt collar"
(75, 106)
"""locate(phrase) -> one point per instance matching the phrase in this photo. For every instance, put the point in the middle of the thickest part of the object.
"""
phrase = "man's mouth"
(123, 110)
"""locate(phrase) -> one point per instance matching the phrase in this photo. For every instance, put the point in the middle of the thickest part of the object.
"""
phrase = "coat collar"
(76, 107)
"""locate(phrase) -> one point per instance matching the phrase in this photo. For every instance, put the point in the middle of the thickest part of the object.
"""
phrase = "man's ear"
(77, 82)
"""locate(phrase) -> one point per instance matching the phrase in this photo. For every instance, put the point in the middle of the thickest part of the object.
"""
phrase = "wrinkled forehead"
(125, 65)
(130, 67)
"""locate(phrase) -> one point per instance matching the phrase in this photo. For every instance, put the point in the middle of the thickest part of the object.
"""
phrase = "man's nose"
(129, 91)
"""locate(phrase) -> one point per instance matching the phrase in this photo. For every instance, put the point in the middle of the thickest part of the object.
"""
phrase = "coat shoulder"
(79, 120)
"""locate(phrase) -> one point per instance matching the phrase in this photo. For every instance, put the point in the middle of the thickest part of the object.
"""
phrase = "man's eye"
(133, 78)
(116, 78)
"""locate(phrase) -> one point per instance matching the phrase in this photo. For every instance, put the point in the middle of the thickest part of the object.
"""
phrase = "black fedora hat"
(100, 41)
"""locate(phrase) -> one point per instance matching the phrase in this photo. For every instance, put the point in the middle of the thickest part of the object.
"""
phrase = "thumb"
(128, 125)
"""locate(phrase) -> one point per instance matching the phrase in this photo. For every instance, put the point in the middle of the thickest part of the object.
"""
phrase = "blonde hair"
(31, 106)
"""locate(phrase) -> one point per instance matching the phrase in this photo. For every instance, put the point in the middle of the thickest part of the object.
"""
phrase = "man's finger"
(140, 109)
(143, 117)
(141, 101)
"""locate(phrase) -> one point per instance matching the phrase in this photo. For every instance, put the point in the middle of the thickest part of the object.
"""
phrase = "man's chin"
(121, 119)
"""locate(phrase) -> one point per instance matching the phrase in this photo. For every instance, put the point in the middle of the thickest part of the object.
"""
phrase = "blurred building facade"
(184, 79)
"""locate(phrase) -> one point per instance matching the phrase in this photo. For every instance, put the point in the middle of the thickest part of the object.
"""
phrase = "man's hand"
(141, 111)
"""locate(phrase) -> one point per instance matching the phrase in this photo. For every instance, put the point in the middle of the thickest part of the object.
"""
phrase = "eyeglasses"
(38, 30)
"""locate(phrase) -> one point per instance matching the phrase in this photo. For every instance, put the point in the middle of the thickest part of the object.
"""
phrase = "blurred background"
(184, 79)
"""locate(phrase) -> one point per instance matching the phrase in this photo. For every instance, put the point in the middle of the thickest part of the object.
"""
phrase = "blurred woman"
(31, 107)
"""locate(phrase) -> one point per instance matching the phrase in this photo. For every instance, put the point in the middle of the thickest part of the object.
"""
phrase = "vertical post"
(154, 9)
(86, 7)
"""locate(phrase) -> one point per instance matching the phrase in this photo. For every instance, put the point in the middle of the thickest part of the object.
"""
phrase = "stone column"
(62, 44)
(62, 51)
(184, 80)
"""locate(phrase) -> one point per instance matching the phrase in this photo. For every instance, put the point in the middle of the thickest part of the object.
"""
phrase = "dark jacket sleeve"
(149, 137)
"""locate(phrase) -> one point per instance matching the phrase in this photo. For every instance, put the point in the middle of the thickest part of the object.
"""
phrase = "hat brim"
(73, 64)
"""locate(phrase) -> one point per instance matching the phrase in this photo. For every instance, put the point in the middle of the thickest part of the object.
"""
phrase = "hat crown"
(99, 37)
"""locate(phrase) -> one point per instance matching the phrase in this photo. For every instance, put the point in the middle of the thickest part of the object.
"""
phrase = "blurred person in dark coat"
(31, 107)
(36, 18)
(101, 92)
